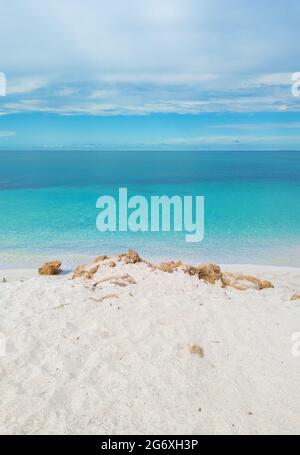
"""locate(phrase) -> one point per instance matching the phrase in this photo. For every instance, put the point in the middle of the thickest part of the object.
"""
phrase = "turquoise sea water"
(48, 204)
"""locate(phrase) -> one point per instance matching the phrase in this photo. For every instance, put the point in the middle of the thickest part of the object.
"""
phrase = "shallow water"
(48, 204)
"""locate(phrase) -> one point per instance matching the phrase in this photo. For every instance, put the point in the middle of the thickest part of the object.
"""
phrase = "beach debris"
(295, 297)
(100, 259)
(244, 282)
(127, 279)
(111, 264)
(50, 268)
(118, 280)
(63, 305)
(110, 284)
(196, 350)
(210, 273)
(131, 257)
(105, 297)
(85, 271)
(171, 266)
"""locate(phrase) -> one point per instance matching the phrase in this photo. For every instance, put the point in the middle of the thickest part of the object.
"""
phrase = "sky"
(150, 74)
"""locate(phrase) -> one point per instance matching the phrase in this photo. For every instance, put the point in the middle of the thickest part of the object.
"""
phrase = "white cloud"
(103, 94)
(258, 126)
(130, 99)
(273, 79)
(139, 57)
(152, 36)
(25, 85)
(239, 142)
(151, 93)
(66, 91)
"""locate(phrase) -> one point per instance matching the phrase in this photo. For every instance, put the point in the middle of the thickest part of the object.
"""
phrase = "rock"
(111, 264)
(84, 271)
(192, 270)
(170, 267)
(244, 282)
(50, 268)
(196, 350)
(132, 257)
(100, 259)
(210, 273)
(295, 297)
(265, 284)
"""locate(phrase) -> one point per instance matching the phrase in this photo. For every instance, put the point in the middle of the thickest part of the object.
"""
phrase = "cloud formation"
(127, 57)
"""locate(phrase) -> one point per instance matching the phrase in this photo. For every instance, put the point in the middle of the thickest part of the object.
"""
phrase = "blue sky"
(151, 74)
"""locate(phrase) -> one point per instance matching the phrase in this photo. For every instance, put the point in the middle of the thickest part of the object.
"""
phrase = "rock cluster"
(244, 282)
(209, 273)
(171, 266)
(85, 271)
(100, 259)
(131, 257)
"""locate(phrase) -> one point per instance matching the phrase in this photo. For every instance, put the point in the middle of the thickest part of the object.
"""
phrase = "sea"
(48, 205)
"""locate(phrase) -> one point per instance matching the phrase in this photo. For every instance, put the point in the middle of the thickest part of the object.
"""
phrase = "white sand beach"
(135, 350)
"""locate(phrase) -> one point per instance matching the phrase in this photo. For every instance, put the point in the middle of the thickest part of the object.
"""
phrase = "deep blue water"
(48, 204)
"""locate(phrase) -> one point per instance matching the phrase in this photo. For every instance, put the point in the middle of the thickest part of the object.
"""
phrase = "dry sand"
(155, 353)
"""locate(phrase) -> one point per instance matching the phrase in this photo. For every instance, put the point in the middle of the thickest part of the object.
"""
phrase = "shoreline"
(230, 267)
(280, 256)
